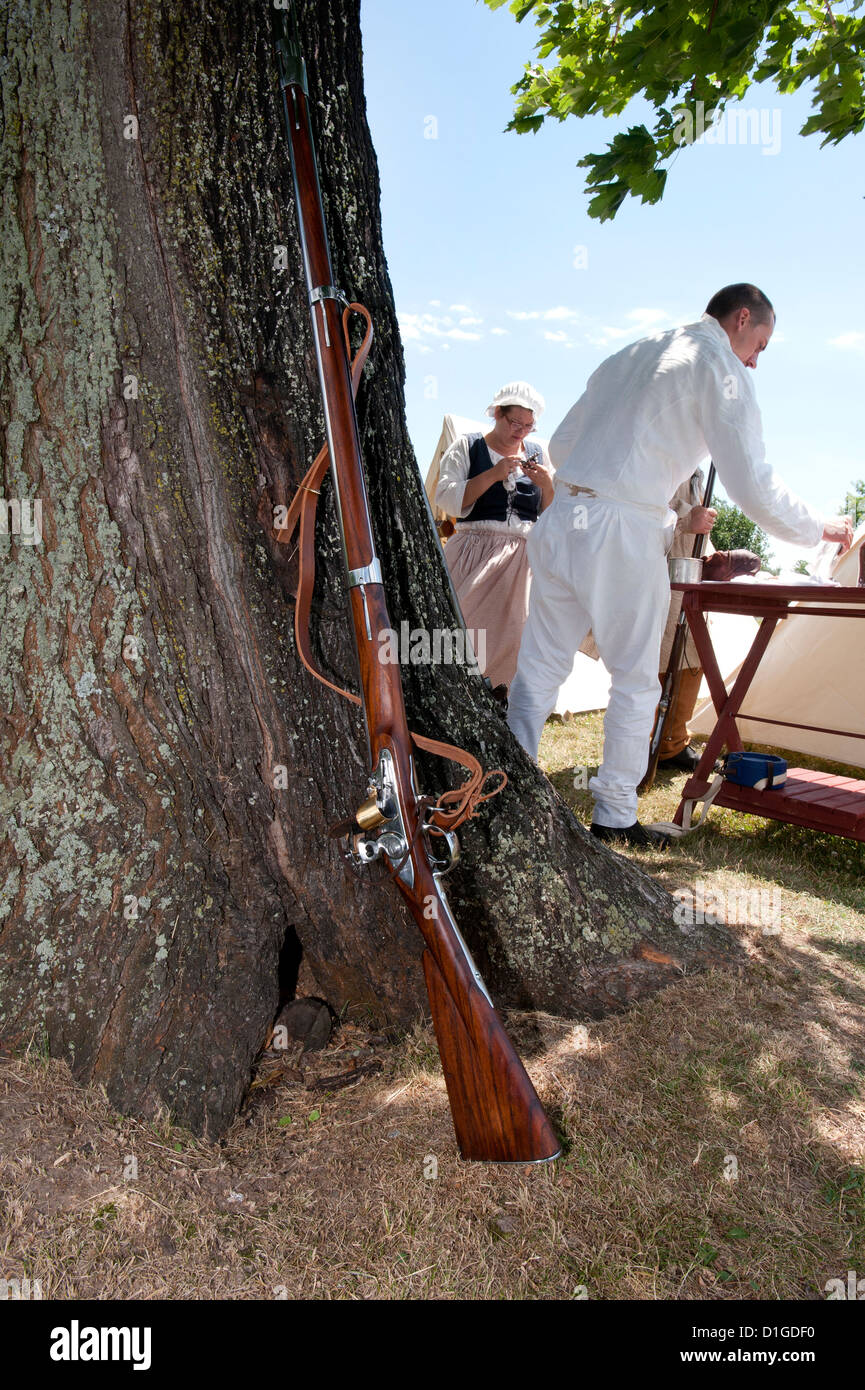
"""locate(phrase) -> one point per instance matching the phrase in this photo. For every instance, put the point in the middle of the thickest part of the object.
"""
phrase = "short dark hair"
(732, 298)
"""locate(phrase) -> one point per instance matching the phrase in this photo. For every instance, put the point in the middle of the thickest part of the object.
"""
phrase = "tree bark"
(169, 769)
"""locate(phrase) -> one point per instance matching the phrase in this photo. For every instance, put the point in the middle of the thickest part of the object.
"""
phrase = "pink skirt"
(491, 575)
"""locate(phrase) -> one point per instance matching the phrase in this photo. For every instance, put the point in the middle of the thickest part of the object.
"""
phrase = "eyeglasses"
(516, 425)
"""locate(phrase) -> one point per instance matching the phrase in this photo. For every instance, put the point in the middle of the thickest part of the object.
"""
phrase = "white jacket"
(653, 412)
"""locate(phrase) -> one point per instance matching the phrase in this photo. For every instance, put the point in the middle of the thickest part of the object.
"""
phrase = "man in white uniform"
(649, 415)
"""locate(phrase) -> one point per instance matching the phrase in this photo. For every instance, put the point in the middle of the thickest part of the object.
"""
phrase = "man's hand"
(839, 529)
(700, 520)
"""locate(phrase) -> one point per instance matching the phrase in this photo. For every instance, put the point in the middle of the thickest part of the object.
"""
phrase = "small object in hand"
(730, 564)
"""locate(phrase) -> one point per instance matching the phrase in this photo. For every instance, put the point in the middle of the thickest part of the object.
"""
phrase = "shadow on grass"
(713, 1150)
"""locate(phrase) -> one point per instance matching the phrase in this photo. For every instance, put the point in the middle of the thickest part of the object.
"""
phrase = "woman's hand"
(540, 474)
(477, 486)
(507, 464)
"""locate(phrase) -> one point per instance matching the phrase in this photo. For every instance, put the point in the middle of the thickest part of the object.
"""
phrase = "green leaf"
(610, 53)
(607, 202)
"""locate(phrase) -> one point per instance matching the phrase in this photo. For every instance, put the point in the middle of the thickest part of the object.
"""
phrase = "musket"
(673, 674)
(496, 1112)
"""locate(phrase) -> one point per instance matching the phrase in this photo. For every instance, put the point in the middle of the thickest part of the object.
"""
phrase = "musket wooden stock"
(496, 1112)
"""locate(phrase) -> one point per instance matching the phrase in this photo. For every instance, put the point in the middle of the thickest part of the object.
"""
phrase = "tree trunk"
(169, 768)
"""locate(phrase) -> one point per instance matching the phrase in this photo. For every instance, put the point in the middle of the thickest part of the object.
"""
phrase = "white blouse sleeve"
(453, 475)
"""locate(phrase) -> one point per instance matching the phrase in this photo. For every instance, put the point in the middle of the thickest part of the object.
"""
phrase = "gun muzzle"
(292, 68)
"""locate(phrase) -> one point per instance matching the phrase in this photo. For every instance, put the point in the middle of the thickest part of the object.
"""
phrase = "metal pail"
(685, 569)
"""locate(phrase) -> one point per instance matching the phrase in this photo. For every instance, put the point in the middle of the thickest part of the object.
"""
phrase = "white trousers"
(595, 564)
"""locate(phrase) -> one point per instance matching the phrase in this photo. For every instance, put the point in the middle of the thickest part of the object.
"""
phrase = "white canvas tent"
(452, 427)
(813, 672)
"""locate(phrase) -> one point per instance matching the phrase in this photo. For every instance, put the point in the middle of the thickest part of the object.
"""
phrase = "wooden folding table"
(817, 800)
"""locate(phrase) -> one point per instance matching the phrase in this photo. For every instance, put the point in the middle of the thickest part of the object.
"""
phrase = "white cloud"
(458, 308)
(559, 337)
(500, 332)
(603, 337)
(640, 323)
(468, 319)
(854, 341)
(644, 318)
(414, 327)
(559, 312)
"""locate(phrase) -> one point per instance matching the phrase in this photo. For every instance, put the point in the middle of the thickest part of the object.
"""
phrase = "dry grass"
(715, 1136)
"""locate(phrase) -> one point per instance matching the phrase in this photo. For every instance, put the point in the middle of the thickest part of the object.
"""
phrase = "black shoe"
(687, 760)
(635, 834)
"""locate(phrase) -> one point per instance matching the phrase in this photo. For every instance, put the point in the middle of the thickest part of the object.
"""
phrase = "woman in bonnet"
(496, 485)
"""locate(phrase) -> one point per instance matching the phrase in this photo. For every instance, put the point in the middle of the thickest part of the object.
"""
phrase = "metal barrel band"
(329, 292)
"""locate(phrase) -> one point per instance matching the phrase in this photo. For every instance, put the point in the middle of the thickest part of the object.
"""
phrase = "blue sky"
(499, 273)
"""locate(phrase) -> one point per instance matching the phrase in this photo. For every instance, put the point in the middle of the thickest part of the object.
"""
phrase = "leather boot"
(676, 736)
